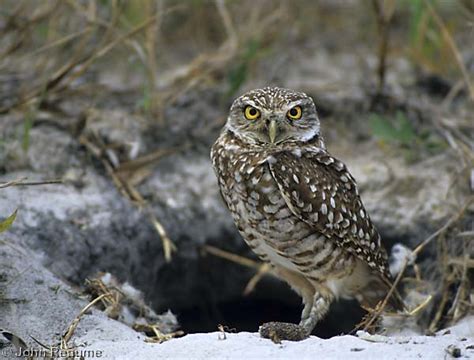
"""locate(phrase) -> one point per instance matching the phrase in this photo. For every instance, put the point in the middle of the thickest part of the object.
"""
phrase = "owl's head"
(272, 116)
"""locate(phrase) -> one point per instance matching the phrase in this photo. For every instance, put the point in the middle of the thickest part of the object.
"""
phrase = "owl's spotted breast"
(262, 215)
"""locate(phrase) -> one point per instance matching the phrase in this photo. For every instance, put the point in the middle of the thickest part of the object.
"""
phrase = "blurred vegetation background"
(162, 48)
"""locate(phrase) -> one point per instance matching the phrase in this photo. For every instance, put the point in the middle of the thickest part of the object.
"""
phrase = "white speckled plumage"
(297, 206)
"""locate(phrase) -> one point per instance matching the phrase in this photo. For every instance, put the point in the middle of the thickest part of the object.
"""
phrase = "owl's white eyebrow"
(297, 102)
(251, 103)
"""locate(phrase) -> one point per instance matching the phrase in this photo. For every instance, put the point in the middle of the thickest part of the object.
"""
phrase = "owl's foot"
(277, 331)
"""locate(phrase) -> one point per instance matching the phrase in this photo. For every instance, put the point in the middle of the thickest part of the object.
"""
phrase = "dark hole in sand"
(247, 313)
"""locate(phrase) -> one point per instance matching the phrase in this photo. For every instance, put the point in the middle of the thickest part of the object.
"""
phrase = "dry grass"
(384, 11)
(69, 333)
(123, 178)
(66, 342)
(452, 46)
(23, 182)
(262, 269)
(113, 299)
(460, 304)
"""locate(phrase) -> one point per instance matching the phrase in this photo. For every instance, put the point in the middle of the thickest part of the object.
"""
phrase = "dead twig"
(66, 337)
(439, 313)
(228, 24)
(421, 306)
(381, 305)
(22, 182)
(262, 271)
(383, 13)
(375, 313)
(222, 335)
(262, 268)
(223, 330)
(48, 347)
(58, 42)
(159, 336)
(119, 300)
(451, 221)
(168, 246)
(241, 260)
(148, 159)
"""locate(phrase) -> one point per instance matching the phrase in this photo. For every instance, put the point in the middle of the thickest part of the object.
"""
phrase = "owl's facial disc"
(272, 116)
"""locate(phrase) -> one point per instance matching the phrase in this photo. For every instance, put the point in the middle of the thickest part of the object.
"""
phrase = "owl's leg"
(308, 305)
(319, 308)
(277, 331)
(301, 285)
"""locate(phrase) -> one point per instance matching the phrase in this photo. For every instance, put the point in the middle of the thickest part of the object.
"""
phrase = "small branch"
(382, 306)
(72, 328)
(383, 18)
(421, 306)
(232, 257)
(22, 182)
(264, 269)
(227, 21)
(452, 220)
(168, 246)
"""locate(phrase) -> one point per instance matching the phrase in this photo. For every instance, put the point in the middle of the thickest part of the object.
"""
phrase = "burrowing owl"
(297, 206)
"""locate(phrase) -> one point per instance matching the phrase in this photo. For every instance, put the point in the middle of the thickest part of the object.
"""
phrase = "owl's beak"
(272, 130)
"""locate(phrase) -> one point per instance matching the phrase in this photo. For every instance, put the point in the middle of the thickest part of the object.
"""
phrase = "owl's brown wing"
(319, 190)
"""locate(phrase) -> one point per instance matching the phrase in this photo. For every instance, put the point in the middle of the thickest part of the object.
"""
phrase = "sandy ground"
(246, 345)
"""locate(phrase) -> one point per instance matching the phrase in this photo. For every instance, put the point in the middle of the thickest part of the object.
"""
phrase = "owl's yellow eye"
(294, 113)
(251, 113)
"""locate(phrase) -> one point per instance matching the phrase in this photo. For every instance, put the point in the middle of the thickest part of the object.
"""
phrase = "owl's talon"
(277, 331)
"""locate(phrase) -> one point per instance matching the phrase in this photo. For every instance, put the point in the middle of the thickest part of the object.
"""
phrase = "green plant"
(145, 102)
(238, 74)
(425, 39)
(7, 223)
(397, 129)
(431, 44)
